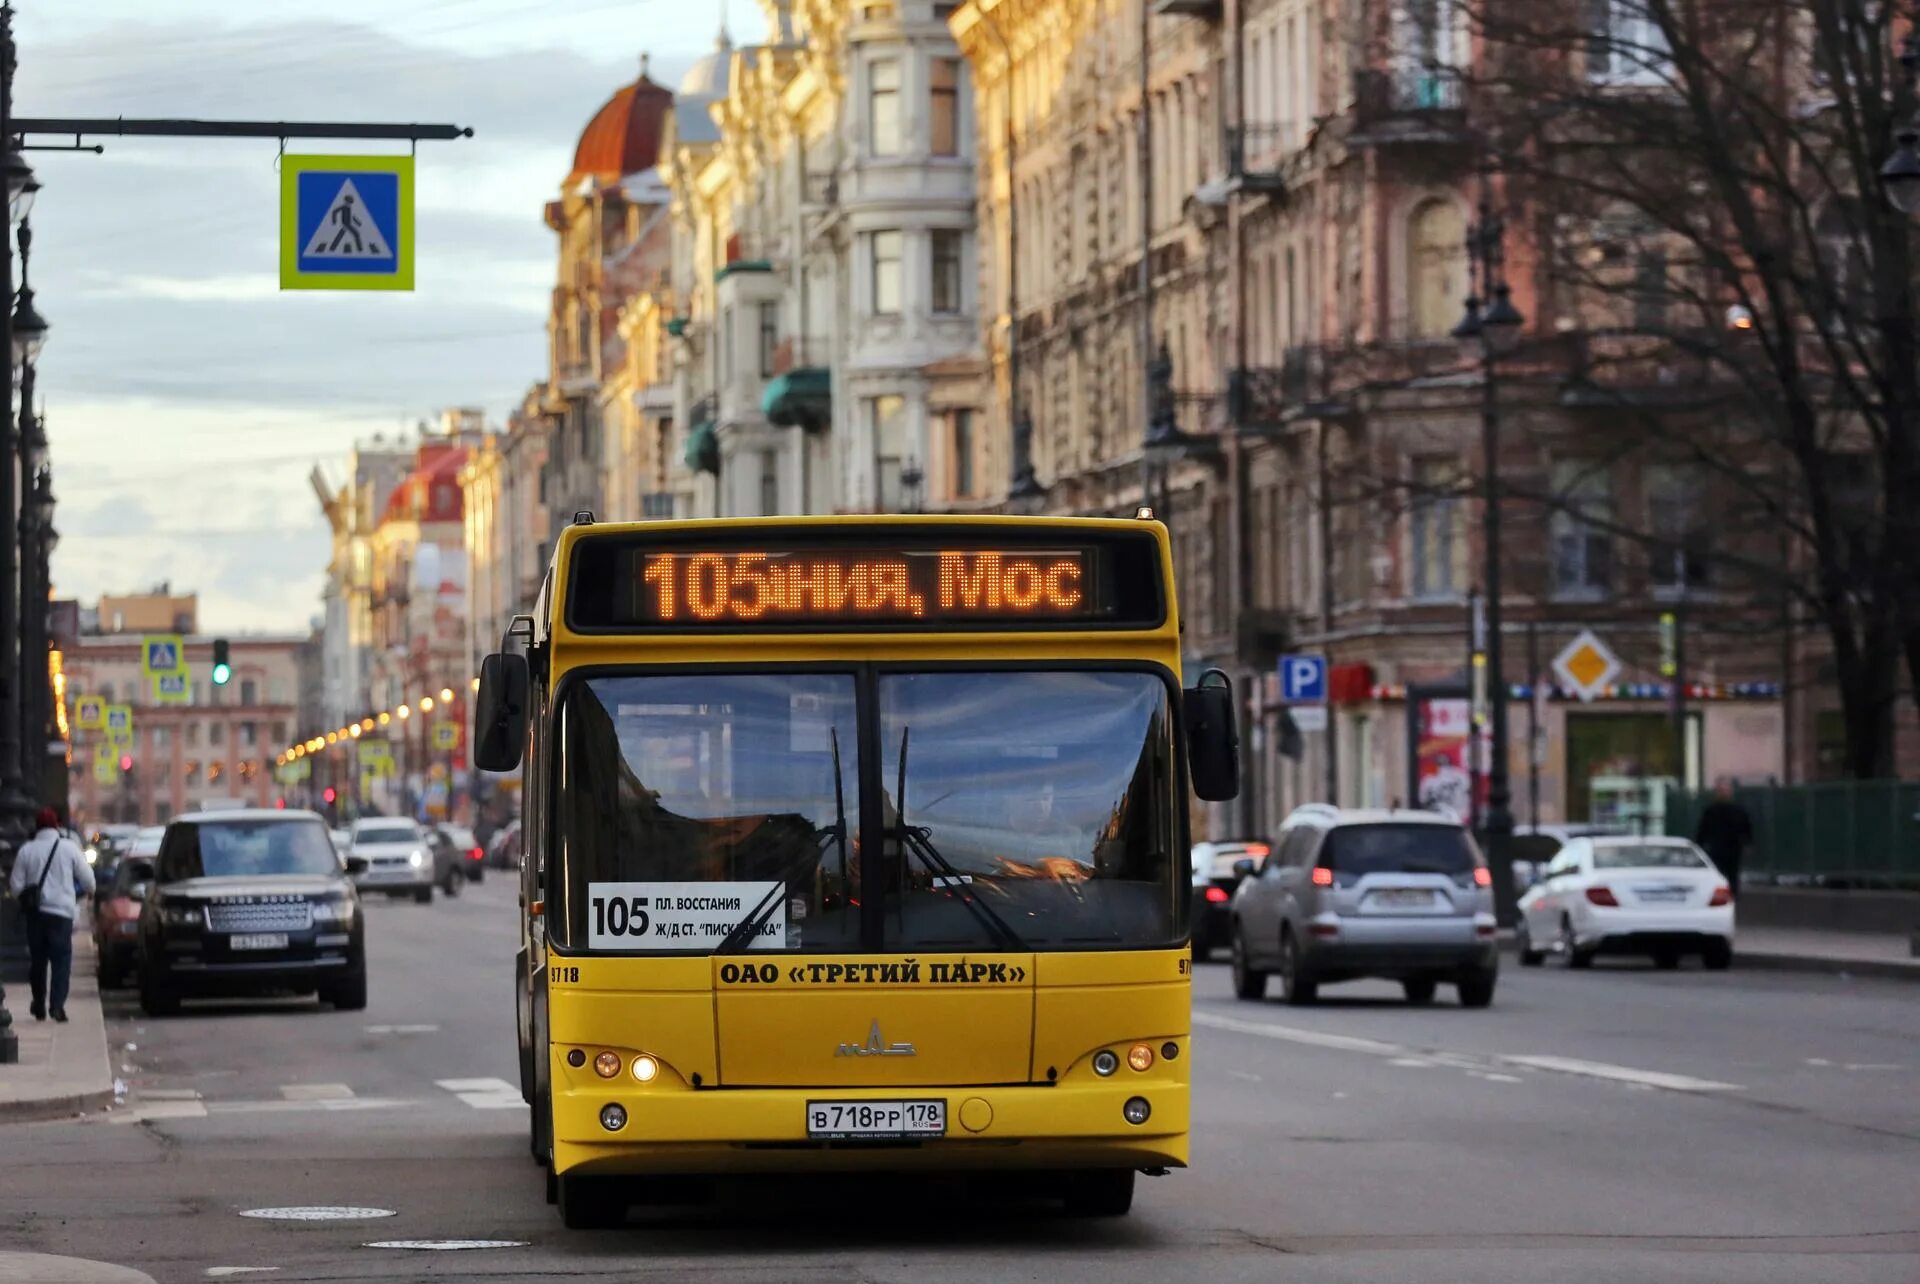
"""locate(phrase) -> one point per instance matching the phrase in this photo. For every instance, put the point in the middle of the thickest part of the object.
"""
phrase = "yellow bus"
(855, 844)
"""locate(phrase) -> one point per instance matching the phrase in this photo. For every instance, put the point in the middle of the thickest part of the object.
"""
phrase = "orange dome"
(624, 136)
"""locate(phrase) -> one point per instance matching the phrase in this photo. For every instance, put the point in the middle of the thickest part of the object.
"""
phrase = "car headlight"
(416, 858)
(340, 911)
(182, 915)
(93, 857)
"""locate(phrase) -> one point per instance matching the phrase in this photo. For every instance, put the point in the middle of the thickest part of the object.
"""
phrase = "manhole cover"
(446, 1245)
(318, 1213)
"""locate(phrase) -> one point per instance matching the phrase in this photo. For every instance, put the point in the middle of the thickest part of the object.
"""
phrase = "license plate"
(875, 1120)
(1404, 898)
(1665, 895)
(259, 941)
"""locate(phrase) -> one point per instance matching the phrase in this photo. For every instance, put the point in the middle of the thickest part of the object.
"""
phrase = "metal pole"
(1533, 723)
(1331, 738)
(1146, 258)
(1499, 822)
(14, 804)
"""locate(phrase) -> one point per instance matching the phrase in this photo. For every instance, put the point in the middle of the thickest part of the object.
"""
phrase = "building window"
(886, 273)
(726, 345)
(946, 270)
(883, 107)
(1436, 268)
(216, 732)
(249, 690)
(1626, 44)
(249, 734)
(1434, 528)
(1582, 549)
(944, 90)
(769, 483)
(106, 692)
(886, 416)
(963, 454)
(192, 734)
(1678, 519)
(161, 737)
(769, 336)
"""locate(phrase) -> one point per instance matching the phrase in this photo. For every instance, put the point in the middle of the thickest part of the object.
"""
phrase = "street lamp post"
(1492, 324)
(1900, 175)
(29, 335)
(15, 804)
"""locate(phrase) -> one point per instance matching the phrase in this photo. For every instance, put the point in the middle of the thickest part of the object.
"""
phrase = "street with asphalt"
(1617, 1124)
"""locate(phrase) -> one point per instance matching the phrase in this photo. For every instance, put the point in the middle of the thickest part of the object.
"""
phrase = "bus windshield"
(1014, 810)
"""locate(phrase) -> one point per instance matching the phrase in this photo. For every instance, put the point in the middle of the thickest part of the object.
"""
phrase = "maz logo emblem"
(875, 1046)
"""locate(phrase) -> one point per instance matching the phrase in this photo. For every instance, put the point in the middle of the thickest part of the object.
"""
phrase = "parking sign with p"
(1303, 679)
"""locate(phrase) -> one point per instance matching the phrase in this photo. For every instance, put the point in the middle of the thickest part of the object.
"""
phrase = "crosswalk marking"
(315, 1091)
(484, 1094)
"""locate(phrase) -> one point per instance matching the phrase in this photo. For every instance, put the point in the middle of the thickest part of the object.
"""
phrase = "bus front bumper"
(764, 1130)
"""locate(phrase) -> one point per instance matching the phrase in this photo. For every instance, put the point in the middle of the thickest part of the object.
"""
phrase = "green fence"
(1839, 833)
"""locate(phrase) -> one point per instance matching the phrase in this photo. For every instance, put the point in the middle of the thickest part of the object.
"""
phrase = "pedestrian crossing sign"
(119, 720)
(346, 222)
(90, 713)
(162, 653)
(446, 735)
(172, 688)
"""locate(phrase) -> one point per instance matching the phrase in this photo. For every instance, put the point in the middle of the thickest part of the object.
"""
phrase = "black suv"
(247, 902)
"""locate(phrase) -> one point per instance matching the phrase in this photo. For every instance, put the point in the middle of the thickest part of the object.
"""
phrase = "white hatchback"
(1659, 897)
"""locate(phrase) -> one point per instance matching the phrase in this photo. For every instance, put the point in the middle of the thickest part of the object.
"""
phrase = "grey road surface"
(1619, 1124)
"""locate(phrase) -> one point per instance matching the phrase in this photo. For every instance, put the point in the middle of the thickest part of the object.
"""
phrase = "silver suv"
(1346, 894)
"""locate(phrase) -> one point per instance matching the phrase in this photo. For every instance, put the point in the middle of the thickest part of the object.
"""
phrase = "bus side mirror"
(500, 712)
(1213, 745)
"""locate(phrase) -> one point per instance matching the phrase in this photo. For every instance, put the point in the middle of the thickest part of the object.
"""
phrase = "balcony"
(1208, 9)
(1254, 155)
(1410, 104)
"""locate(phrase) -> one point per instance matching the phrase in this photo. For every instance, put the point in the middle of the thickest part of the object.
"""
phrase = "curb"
(1806, 964)
(44, 1108)
(1887, 969)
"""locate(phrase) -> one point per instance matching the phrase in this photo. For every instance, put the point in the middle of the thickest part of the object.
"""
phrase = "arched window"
(1436, 268)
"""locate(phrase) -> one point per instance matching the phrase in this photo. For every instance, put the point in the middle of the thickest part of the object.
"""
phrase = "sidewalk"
(63, 1069)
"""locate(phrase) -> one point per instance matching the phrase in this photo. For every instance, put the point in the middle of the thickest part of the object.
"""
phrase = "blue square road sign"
(1303, 679)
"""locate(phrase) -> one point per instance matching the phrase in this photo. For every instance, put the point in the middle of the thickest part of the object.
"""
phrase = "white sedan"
(1622, 895)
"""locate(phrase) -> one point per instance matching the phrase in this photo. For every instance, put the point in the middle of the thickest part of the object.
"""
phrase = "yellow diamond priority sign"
(1586, 666)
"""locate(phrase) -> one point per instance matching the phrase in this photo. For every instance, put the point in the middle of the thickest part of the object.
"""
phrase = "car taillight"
(1722, 895)
(1217, 896)
(1482, 876)
(1257, 851)
(1322, 876)
(475, 853)
(1602, 896)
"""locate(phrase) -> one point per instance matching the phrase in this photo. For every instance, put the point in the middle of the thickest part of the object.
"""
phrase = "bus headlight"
(1105, 1063)
(645, 1068)
(1136, 1110)
(613, 1117)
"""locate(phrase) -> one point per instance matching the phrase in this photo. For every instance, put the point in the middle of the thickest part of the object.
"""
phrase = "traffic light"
(330, 793)
(222, 665)
(126, 762)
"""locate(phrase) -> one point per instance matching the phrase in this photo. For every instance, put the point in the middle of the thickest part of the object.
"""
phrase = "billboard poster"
(1444, 779)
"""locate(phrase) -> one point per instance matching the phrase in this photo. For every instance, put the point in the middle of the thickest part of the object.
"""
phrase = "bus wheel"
(1100, 1194)
(553, 1186)
(594, 1203)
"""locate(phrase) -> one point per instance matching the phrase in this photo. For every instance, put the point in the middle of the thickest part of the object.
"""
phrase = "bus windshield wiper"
(918, 839)
(749, 927)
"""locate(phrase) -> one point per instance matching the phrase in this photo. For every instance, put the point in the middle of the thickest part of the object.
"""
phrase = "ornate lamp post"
(1492, 325)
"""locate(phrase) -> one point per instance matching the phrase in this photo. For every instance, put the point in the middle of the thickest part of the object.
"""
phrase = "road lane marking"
(222, 1272)
(445, 1245)
(1402, 1055)
(331, 1105)
(317, 1213)
(160, 1110)
(1621, 1074)
(484, 1094)
(402, 1029)
(315, 1091)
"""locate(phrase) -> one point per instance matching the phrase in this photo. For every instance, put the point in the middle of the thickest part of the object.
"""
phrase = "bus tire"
(594, 1203)
(1100, 1194)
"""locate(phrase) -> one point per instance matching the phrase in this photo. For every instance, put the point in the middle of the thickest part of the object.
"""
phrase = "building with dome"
(615, 243)
(823, 198)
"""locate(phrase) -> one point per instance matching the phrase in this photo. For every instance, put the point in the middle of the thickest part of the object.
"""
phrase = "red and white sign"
(1445, 777)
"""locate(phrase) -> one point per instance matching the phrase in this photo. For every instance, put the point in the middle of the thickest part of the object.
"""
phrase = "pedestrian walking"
(49, 876)
(1725, 832)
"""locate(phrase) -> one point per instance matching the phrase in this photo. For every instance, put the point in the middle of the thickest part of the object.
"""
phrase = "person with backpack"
(49, 876)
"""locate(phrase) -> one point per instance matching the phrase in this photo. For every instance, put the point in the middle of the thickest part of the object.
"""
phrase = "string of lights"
(324, 741)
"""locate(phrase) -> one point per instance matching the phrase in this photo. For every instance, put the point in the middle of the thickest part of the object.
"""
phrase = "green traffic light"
(221, 673)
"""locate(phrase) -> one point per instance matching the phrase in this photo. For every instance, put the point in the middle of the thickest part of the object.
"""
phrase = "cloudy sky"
(186, 397)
